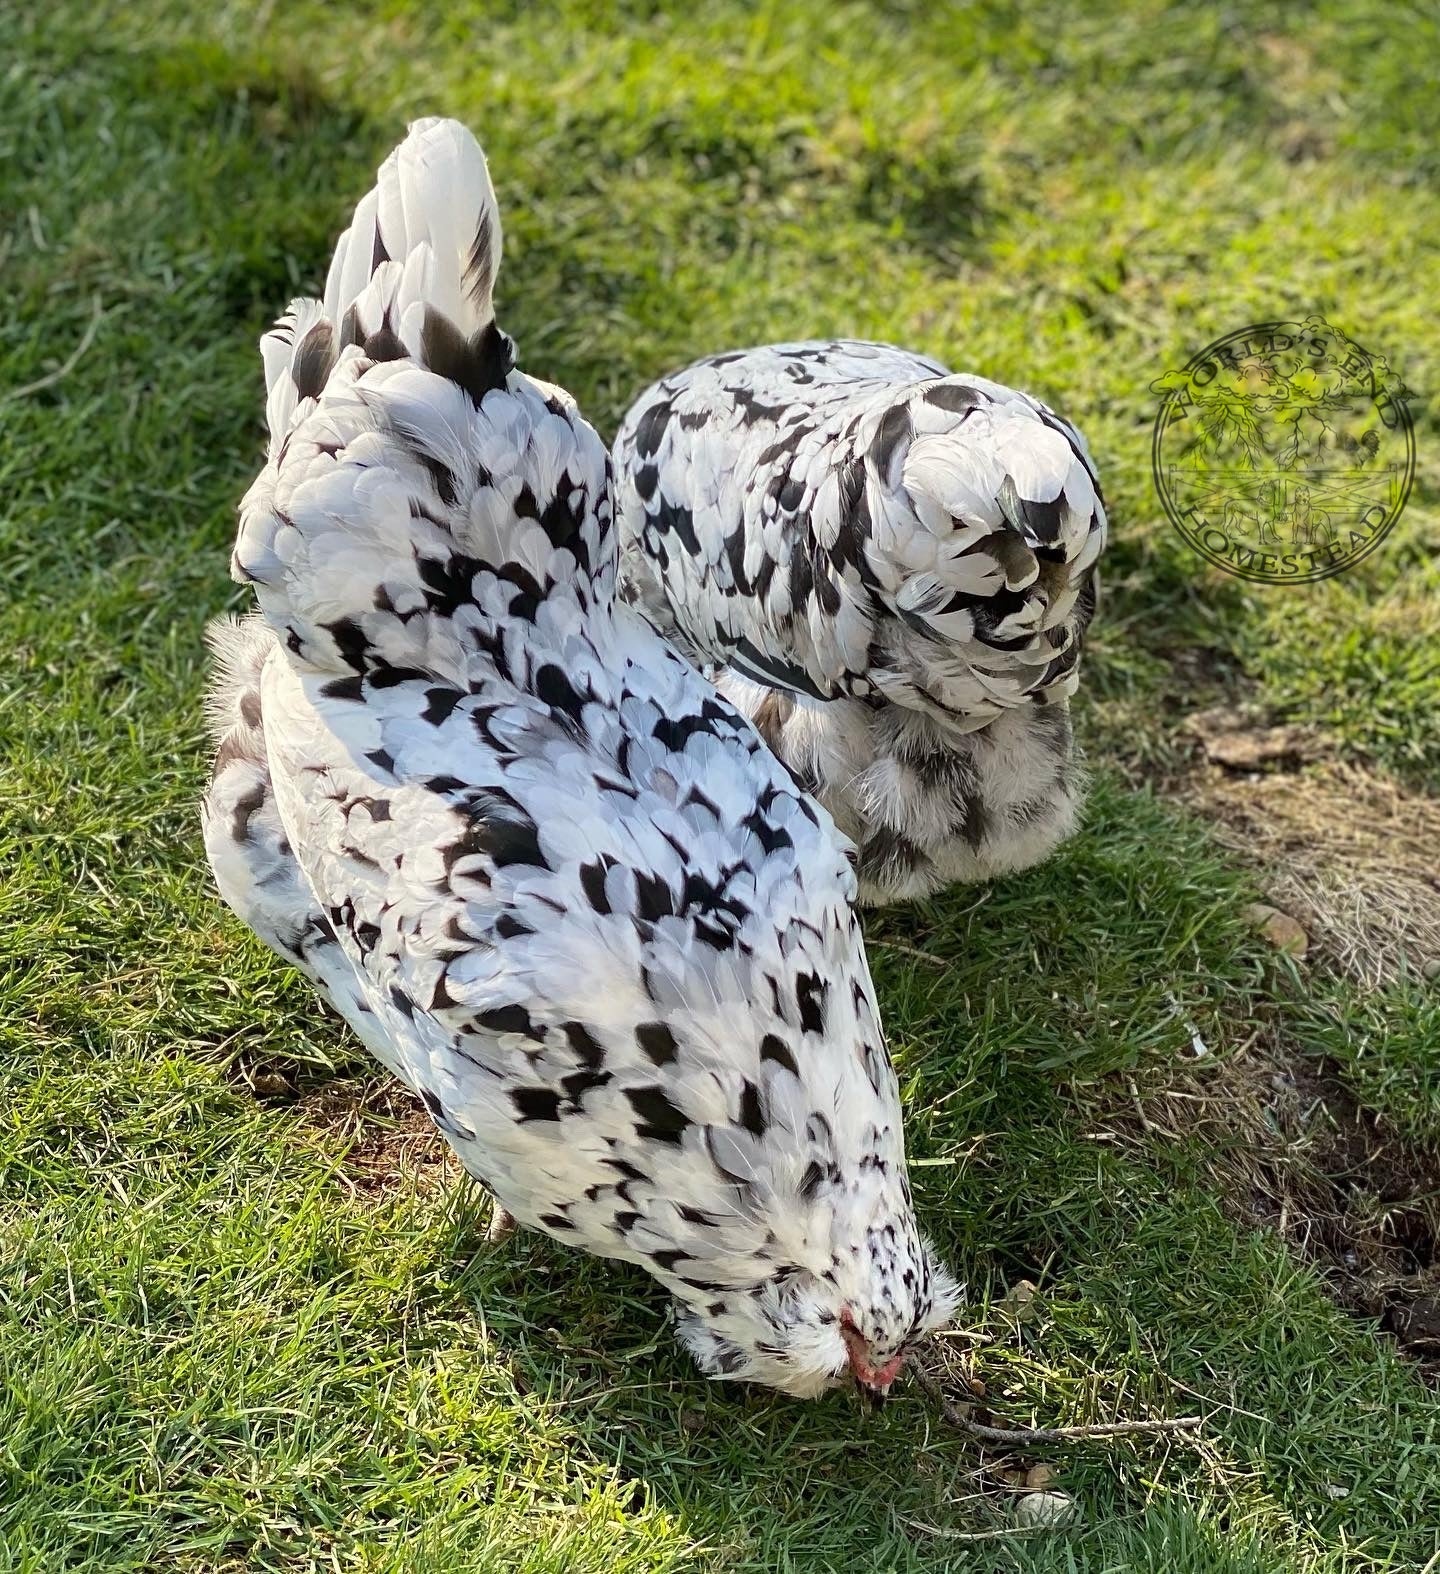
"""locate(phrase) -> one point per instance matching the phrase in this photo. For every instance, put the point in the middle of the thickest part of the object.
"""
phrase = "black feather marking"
(506, 1019)
(1043, 518)
(578, 1083)
(773, 838)
(510, 842)
(770, 672)
(657, 1041)
(958, 397)
(650, 430)
(344, 689)
(735, 557)
(448, 581)
(480, 270)
(802, 577)
(393, 677)
(313, 362)
(592, 883)
(663, 1121)
(676, 517)
(810, 994)
(752, 1115)
(895, 428)
(536, 1103)
(554, 689)
(776, 1050)
(585, 1045)
(654, 899)
(384, 345)
(439, 702)
(479, 364)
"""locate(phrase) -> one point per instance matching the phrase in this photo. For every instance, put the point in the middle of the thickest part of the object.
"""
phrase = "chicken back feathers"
(553, 881)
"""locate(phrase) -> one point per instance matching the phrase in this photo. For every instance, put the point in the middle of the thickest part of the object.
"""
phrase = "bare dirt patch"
(1286, 1144)
(393, 1143)
(387, 1141)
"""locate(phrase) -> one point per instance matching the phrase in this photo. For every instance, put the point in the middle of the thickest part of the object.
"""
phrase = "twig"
(1044, 1434)
(910, 950)
(70, 362)
(970, 1535)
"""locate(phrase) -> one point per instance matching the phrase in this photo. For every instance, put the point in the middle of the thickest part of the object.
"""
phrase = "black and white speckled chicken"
(555, 883)
(890, 569)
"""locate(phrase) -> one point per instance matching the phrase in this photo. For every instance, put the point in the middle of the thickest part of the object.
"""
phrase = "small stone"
(1335, 1490)
(1019, 1301)
(1052, 1509)
(1038, 1477)
(1431, 969)
(1283, 932)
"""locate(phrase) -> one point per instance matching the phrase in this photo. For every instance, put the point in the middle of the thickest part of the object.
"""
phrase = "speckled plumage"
(890, 569)
(553, 881)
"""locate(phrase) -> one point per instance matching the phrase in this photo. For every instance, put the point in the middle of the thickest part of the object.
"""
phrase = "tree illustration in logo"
(1287, 437)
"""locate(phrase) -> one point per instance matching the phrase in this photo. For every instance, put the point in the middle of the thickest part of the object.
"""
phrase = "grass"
(217, 1352)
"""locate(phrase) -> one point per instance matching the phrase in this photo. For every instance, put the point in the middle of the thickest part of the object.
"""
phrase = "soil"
(1366, 1211)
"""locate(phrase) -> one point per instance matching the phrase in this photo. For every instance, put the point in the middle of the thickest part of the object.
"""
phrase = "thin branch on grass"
(911, 950)
(997, 1534)
(1044, 1434)
(71, 361)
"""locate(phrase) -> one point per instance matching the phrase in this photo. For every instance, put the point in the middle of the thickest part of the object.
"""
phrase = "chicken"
(554, 883)
(890, 570)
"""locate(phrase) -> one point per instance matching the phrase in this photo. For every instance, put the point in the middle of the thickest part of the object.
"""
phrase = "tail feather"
(432, 209)
(425, 241)
(999, 581)
(417, 483)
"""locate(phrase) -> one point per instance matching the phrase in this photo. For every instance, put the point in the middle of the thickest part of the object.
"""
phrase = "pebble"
(1280, 929)
(1054, 1509)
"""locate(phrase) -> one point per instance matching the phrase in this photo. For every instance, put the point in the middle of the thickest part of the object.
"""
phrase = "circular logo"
(1284, 452)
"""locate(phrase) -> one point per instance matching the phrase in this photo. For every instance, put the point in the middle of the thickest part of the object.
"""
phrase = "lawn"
(248, 1320)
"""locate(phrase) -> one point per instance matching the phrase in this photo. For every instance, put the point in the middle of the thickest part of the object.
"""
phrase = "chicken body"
(890, 569)
(553, 881)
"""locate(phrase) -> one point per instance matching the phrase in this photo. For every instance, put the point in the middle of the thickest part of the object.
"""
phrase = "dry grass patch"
(1349, 852)
(387, 1140)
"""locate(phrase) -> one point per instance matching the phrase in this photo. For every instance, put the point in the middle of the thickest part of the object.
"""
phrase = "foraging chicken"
(890, 570)
(554, 883)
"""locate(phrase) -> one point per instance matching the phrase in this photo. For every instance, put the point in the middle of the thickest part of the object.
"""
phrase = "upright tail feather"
(425, 240)
(433, 212)
(419, 490)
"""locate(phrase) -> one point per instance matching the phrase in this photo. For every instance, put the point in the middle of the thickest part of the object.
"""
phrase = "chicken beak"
(872, 1399)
